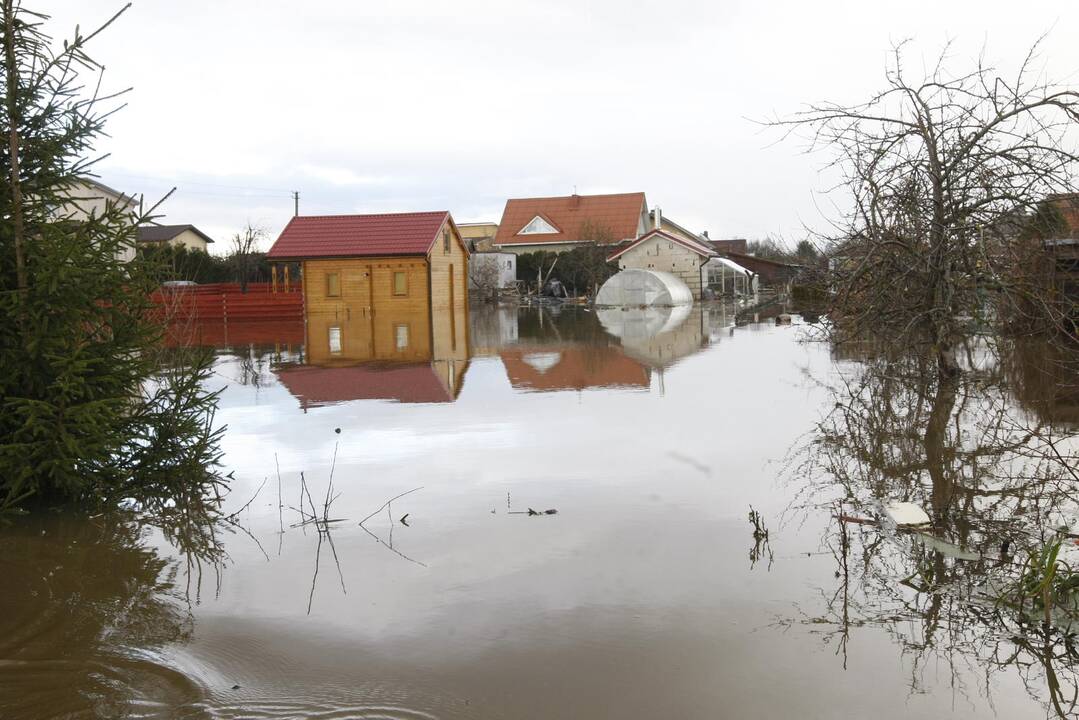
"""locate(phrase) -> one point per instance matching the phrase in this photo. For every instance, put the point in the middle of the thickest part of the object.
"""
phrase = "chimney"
(574, 199)
(658, 219)
(705, 233)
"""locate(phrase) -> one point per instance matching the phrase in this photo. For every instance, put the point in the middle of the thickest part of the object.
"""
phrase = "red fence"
(225, 302)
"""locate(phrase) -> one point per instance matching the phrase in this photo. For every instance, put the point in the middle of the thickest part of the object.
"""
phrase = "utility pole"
(296, 202)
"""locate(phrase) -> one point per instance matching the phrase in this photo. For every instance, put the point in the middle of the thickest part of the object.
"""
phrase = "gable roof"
(164, 233)
(324, 236)
(691, 245)
(620, 213)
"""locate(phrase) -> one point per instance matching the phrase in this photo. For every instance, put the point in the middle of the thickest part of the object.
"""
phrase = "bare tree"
(942, 173)
(243, 249)
(484, 274)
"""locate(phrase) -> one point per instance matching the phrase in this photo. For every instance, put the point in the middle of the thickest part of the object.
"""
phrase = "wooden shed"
(390, 287)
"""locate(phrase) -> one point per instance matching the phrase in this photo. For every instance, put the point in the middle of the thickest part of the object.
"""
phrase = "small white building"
(661, 251)
(492, 270)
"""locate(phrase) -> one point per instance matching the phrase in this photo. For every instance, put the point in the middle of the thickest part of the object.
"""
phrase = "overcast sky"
(398, 105)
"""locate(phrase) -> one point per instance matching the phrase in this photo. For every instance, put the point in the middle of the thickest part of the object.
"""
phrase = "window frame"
(333, 278)
(393, 283)
(397, 328)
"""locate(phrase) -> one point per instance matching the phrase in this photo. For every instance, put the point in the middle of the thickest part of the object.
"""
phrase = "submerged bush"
(84, 408)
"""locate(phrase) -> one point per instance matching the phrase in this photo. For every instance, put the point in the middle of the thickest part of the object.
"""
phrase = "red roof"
(319, 236)
(691, 245)
(621, 214)
(315, 386)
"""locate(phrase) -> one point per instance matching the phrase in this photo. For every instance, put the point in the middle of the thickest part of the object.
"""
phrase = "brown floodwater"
(644, 596)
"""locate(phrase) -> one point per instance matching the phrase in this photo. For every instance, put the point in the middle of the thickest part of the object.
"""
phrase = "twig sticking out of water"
(761, 546)
(386, 504)
(231, 517)
(760, 532)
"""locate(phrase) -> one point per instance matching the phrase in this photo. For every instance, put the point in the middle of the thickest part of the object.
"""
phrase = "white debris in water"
(906, 513)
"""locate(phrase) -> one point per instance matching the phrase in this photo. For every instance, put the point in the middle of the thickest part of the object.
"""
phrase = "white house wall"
(659, 253)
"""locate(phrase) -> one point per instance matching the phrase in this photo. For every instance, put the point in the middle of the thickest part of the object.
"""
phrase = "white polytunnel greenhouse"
(636, 288)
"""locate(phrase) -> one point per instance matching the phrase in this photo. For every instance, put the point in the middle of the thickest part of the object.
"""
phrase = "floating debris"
(906, 513)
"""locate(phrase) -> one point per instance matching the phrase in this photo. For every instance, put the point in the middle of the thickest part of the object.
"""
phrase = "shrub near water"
(84, 410)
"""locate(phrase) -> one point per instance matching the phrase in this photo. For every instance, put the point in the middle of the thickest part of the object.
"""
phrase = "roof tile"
(620, 213)
(315, 236)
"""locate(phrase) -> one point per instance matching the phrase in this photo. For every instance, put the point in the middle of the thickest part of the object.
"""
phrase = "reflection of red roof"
(572, 368)
(318, 236)
(621, 214)
(315, 386)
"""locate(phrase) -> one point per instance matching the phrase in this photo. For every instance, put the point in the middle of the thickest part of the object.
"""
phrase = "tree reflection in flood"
(996, 473)
(96, 603)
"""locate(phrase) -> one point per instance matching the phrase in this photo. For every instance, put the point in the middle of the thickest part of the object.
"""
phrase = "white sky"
(398, 105)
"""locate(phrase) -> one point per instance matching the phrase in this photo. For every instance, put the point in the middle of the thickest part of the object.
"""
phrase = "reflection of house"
(659, 337)
(1045, 378)
(571, 367)
(186, 236)
(492, 327)
(390, 353)
(660, 250)
(560, 223)
(386, 307)
(411, 383)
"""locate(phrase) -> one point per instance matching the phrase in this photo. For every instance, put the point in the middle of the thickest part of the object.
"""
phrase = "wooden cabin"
(390, 288)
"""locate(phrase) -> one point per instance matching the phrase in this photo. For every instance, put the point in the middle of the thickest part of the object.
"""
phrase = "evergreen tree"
(86, 412)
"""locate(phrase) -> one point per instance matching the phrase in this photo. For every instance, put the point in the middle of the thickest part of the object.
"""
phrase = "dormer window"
(538, 226)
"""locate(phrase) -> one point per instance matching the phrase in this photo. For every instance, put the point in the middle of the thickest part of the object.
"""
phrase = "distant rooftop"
(164, 233)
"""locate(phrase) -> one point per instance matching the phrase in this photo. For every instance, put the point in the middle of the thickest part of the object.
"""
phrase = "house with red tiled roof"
(560, 223)
(385, 288)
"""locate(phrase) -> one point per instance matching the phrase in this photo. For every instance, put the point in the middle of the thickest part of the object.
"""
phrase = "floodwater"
(644, 596)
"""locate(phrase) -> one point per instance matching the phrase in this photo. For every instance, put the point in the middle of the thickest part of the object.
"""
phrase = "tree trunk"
(17, 210)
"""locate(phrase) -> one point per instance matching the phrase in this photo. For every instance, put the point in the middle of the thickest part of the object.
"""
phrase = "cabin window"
(333, 285)
(445, 242)
(400, 283)
(335, 340)
(400, 336)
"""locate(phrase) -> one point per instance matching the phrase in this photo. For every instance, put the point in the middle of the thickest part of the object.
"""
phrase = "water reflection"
(998, 483)
(572, 348)
(397, 351)
(88, 606)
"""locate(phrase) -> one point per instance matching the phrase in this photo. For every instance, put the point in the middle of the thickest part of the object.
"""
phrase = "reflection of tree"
(994, 480)
(87, 603)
